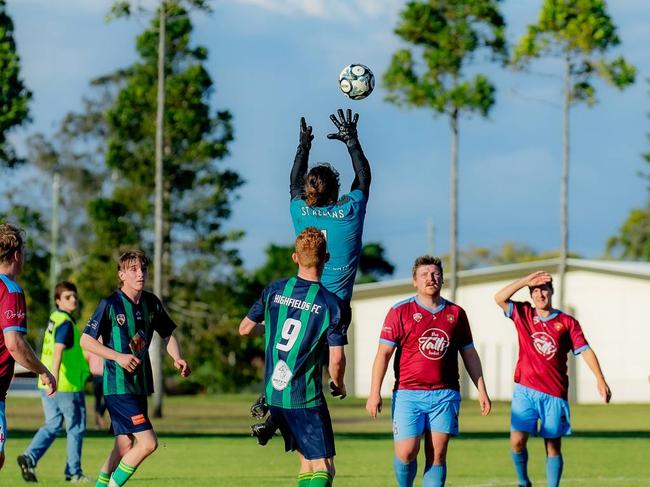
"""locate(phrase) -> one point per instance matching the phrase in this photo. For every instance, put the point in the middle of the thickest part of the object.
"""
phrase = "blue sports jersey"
(342, 225)
(301, 318)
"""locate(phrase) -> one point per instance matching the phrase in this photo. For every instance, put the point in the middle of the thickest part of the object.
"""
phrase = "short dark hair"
(321, 185)
(63, 286)
(548, 285)
(11, 241)
(426, 260)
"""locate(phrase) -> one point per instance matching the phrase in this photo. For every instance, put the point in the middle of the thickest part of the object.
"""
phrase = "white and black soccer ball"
(356, 81)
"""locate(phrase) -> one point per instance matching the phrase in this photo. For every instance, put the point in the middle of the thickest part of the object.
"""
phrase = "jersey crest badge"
(121, 319)
(450, 318)
(417, 317)
(433, 343)
(138, 344)
(558, 326)
(544, 344)
(281, 376)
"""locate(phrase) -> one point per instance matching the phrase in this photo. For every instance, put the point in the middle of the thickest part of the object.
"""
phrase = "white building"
(610, 299)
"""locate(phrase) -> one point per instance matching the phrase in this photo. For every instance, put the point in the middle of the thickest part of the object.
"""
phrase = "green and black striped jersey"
(127, 327)
(301, 318)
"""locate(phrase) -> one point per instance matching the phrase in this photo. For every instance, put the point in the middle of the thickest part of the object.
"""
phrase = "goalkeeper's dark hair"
(322, 185)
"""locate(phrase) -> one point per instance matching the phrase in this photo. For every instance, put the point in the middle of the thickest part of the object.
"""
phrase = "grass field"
(204, 442)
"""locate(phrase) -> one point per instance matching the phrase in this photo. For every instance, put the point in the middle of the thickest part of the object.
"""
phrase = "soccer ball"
(356, 81)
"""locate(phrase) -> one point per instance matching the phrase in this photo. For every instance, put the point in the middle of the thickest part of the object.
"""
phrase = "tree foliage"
(580, 31)
(633, 239)
(14, 96)
(447, 35)
(506, 253)
(198, 193)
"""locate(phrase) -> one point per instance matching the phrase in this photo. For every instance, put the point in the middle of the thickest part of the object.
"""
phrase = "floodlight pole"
(155, 350)
(54, 235)
(564, 186)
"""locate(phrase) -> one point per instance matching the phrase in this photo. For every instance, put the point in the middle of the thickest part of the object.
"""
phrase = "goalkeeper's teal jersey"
(301, 318)
(342, 225)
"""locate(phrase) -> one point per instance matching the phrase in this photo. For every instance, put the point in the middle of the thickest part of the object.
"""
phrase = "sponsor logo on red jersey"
(10, 314)
(433, 343)
(544, 344)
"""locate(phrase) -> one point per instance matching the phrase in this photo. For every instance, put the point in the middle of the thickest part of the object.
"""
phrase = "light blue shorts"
(3, 426)
(539, 414)
(415, 412)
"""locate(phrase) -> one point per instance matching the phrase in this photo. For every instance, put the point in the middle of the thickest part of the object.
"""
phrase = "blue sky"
(275, 60)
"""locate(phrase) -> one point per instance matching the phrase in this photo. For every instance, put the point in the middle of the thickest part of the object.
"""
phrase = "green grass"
(204, 442)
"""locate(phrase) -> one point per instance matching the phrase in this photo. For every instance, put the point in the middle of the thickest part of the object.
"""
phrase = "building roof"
(638, 270)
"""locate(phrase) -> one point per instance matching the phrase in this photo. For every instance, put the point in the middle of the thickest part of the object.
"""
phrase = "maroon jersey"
(543, 347)
(427, 341)
(13, 317)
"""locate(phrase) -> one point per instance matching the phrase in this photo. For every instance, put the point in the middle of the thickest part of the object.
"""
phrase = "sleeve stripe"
(387, 342)
(468, 346)
(21, 329)
(578, 351)
(510, 310)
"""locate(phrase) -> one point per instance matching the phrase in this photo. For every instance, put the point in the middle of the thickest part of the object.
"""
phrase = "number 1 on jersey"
(290, 332)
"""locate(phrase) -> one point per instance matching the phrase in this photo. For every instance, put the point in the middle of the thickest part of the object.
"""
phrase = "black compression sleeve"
(361, 167)
(298, 171)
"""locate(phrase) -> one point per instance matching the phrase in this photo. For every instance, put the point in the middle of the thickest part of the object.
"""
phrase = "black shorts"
(128, 413)
(308, 430)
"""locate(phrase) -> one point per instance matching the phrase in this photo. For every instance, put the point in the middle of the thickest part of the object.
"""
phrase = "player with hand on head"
(428, 332)
(13, 324)
(546, 336)
(301, 320)
(125, 321)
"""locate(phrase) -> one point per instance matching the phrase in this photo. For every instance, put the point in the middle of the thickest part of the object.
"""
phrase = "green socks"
(103, 479)
(322, 478)
(121, 475)
(304, 479)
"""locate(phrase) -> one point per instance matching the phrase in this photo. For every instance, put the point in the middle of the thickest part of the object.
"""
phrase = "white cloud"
(327, 9)
(93, 6)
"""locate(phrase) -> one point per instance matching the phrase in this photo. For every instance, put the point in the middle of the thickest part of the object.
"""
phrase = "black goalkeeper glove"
(336, 391)
(346, 125)
(305, 134)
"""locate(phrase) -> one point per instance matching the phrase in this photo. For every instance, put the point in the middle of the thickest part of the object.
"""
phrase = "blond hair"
(11, 241)
(311, 247)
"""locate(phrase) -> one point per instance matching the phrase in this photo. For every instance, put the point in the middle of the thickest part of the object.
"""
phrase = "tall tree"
(447, 35)
(633, 239)
(580, 33)
(14, 96)
(193, 195)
